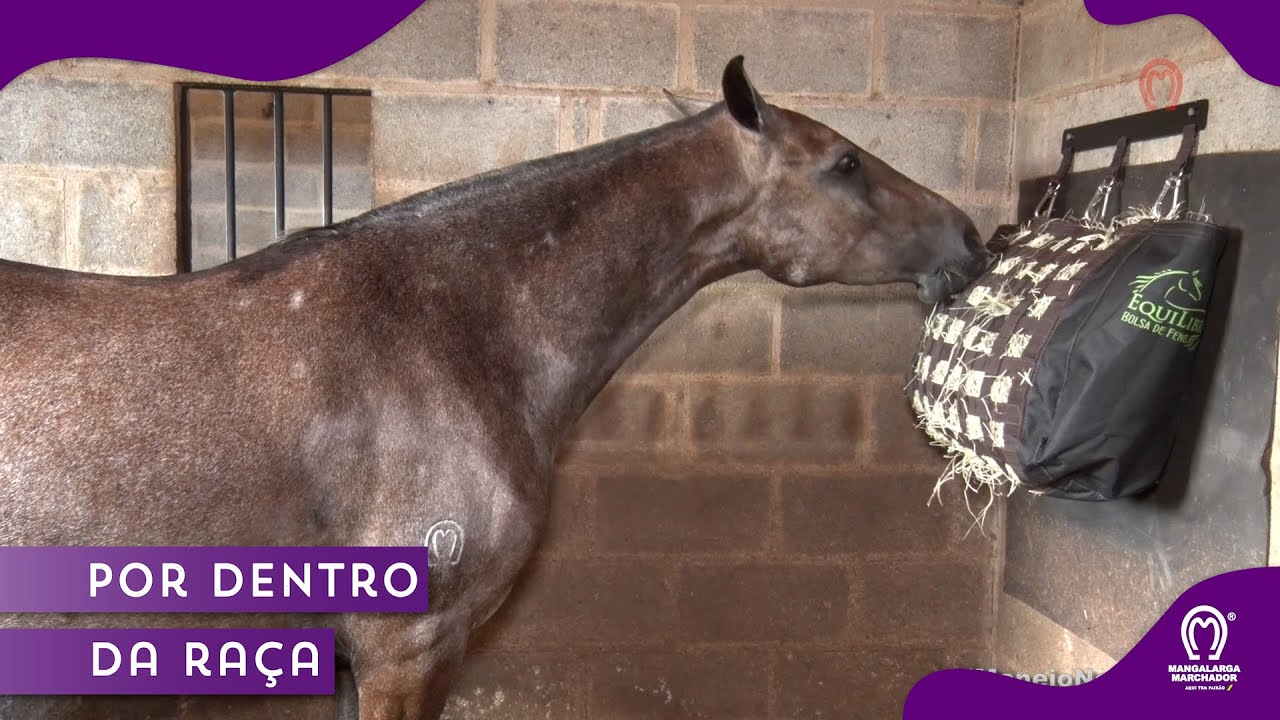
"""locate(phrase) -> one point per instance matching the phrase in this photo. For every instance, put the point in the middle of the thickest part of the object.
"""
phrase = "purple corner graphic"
(1246, 28)
(243, 39)
(1211, 655)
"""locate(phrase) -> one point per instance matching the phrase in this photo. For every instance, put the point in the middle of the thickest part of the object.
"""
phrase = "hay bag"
(1062, 368)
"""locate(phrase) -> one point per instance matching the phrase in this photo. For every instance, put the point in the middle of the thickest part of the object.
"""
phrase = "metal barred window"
(256, 162)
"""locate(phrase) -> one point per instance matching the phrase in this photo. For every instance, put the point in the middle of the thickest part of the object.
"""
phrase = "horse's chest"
(476, 543)
(465, 486)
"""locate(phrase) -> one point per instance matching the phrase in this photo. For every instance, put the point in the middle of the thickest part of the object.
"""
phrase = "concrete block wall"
(87, 173)
(1073, 71)
(740, 527)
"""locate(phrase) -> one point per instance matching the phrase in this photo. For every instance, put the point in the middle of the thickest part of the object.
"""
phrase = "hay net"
(978, 354)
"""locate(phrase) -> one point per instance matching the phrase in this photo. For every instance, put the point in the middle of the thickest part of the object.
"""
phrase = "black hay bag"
(1062, 369)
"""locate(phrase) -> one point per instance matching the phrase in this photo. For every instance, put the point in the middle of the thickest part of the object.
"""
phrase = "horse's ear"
(741, 98)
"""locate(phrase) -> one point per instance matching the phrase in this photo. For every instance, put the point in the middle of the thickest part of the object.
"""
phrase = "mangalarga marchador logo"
(1169, 303)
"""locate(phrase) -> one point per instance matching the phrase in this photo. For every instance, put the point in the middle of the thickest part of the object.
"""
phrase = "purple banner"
(213, 579)
(1214, 654)
(166, 662)
(245, 39)
(1246, 28)
(287, 38)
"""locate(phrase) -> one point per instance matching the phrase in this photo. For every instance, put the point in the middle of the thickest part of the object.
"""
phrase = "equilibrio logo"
(1169, 304)
(1203, 670)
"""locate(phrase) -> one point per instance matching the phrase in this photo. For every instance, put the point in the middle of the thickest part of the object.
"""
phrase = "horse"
(405, 377)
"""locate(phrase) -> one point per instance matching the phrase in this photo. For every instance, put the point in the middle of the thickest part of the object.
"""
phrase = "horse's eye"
(847, 164)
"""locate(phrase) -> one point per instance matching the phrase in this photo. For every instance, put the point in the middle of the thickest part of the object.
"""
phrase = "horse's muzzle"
(953, 278)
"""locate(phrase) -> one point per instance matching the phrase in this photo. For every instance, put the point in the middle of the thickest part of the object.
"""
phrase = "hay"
(939, 418)
(1017, 344)
(944, 381)
(1041, 304)
(993, 304)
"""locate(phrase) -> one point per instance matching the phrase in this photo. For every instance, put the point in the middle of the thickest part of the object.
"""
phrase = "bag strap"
(1180, 177)
(1113, 181)
(1045, 207)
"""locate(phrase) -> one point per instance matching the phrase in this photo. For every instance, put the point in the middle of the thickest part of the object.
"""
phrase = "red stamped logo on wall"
(1161, 84)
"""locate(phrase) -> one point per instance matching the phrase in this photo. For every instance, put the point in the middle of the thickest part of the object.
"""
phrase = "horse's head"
(1191, 286)
(822, 209)
(1187, 294)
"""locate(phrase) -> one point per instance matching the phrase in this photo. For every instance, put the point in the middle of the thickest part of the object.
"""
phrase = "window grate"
(197, 162)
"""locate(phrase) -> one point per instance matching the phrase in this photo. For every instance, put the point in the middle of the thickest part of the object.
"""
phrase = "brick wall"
(740, 526)
(1074, 71)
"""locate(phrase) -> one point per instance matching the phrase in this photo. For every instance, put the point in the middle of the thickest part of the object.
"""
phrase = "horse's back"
(117, 391)
(219, 390)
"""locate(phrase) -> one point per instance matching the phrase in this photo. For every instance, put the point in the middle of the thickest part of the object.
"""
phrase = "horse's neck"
(659, 231)
(595, 254)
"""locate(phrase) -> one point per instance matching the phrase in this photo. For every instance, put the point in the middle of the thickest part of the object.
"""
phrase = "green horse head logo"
(1169, 304)
(1183, 290)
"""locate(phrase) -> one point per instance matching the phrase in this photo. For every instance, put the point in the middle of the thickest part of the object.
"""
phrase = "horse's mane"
(502, 181)
(1142, 282)
(501, 186)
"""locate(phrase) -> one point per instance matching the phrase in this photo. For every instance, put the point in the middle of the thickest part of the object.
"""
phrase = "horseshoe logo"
(444, 543)
(1160, 69)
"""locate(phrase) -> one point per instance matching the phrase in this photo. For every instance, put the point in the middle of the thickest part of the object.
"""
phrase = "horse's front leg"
(403, 667)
